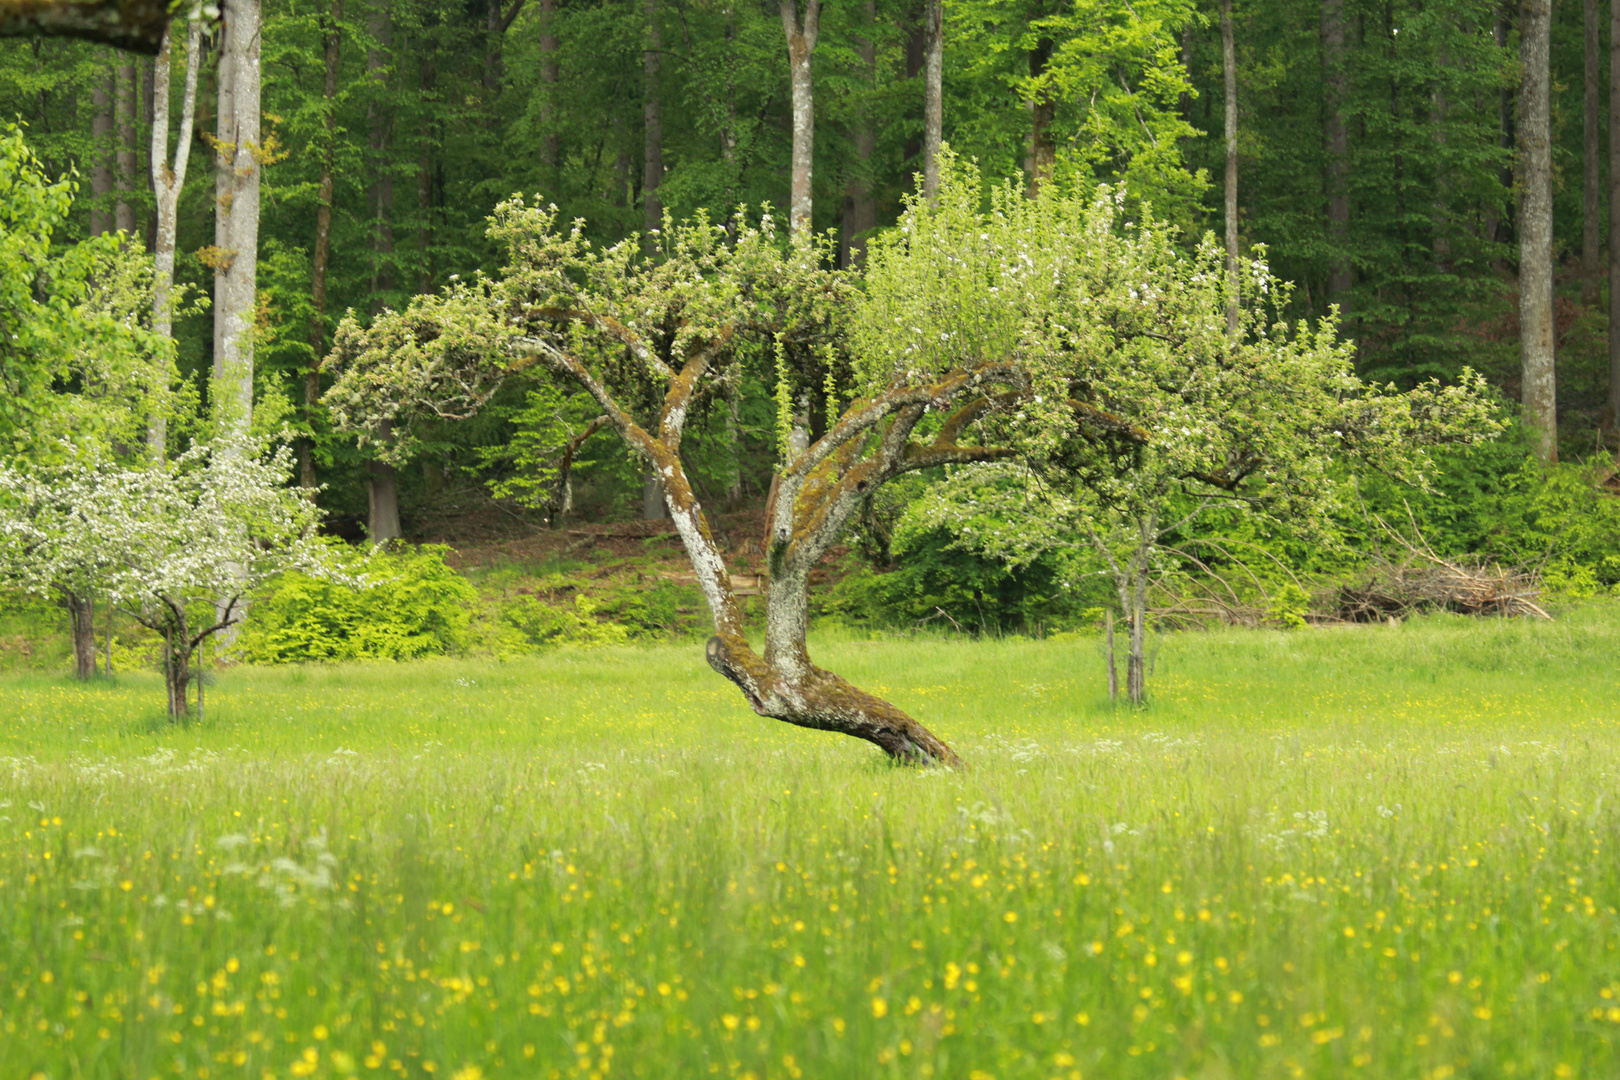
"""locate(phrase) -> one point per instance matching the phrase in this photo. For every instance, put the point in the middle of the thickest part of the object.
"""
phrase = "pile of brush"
(1423, 583)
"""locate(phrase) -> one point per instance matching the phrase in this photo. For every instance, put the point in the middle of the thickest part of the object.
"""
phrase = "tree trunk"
(1113, 669)
(1136, 663)
(1537, 328)
(860, 209)
(1592, 189)
(1042, 111)
(1611, 415)
(1229, 71)
(102, 154)
(236, 220)
(380, 119)
(1337, 146)
(652, 499)
(382, 494)
(1501, 233)
(177, 671)
(126, 95)
(426, 169)
(933, 97)
(323, 247)
(167, 182)
(652, 139)
(549, 148)
(801, 42)
(82, 629)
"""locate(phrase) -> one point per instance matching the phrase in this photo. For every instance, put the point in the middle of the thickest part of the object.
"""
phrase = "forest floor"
(1379, 851)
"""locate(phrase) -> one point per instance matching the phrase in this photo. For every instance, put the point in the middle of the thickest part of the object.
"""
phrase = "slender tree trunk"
(1113, 669)
(380, 118)
(1611, 414)
(148, 117)
(549, 148)
(167, 182)
(801, 41)
(1042, 111)
(1592, 190)
(1229, 70)
(323, 245)
(1136, 663)
(933, 97)
(1502, 231)
(652, 140)
(177, 669)
(82, 627)
(1536, 321)
(236, 220)
(426, 171)
(382, 493)
(102, 154)
(728, 127)
(1337, 145)
(652, 499)
(860, 209)
(127, 93)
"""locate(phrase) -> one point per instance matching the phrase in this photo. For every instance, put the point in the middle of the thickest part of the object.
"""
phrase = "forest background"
(1376, 155)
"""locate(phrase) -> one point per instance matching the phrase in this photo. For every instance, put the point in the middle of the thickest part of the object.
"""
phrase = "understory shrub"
(405, 603)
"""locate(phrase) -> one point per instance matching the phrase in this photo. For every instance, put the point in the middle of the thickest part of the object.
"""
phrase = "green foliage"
(543, 624)
(1288, 607)
(407, 603)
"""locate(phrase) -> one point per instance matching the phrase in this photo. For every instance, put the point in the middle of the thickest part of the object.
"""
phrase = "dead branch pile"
(1396, 590)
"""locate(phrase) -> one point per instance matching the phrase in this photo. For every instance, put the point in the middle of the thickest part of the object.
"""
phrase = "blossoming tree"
(164, 542)
(1020, 333)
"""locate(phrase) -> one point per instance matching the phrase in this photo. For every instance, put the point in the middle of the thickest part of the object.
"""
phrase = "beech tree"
(164, 543)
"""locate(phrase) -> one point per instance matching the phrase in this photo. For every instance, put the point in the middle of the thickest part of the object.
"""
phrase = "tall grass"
(1376, 852)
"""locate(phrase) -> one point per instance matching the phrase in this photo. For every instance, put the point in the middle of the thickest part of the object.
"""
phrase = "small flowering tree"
(163, 542)
(1177, 410)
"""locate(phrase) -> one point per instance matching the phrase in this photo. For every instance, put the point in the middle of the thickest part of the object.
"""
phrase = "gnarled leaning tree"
(1013, 321)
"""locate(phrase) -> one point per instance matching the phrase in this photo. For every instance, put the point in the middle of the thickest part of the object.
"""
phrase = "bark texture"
(102, 123)
(933, 97)
(860, 208)
(82, 629)
(167, 181)
(1336, 143)
(652, 170)
(802, 31)
(812, 500)
(1538, 392)
(331, 31)
(382, 494)
(1229, 71)
(1611, 414)
(236, 213)
(1592, 186)
(126, 93)
(1042, 111)
(549, 148)
(380, 119)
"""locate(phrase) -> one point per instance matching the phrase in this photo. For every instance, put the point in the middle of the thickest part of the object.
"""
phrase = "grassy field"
(1373, 852)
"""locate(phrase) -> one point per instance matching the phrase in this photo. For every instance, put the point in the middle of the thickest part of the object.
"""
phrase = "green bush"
(407, 603)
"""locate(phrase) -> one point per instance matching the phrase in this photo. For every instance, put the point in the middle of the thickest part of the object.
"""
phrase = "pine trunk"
(102, 154)
(236, 221)
(549, 146)
(323, 247)
(1611, 414)
(380, 119)
(1537, 329)
(1336, 143)
(652, 170)
(1592, 188)
(801, 42)
(126, 96)
(1229, 72)
(860, 209)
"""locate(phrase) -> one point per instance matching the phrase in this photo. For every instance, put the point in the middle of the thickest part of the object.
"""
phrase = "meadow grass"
(1367, 852)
